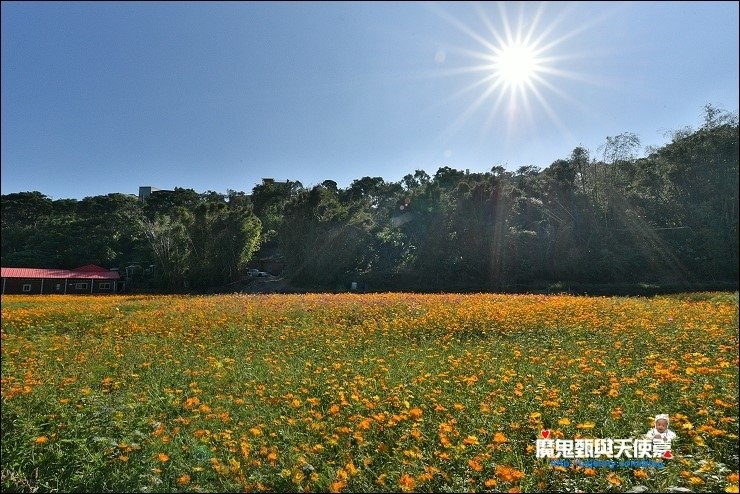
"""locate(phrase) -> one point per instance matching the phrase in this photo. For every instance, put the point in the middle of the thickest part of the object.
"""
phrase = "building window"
(58, 286)
(27, 287)
(81, 286)
(104, 286)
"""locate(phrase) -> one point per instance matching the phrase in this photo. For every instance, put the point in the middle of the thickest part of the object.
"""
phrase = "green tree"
(168, 240)
(223, 237)
(324, 241)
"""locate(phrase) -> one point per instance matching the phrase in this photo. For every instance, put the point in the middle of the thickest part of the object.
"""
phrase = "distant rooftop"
(147, 190)
(271, 181)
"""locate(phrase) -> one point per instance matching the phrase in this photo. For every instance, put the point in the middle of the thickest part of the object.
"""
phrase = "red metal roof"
(89, 268)
(89, 272)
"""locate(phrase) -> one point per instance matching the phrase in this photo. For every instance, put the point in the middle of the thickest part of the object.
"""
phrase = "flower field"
(356, 393)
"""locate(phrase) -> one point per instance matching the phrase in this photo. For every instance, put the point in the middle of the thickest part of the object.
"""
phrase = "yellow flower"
(564, 421)
(184, 479)
(470, 440)
(163, 457)
(41, 440)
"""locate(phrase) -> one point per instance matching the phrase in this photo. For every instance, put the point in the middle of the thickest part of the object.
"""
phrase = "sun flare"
(515, 64)
(516, 67)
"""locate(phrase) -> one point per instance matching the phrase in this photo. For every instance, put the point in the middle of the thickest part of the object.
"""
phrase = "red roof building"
(85, 279)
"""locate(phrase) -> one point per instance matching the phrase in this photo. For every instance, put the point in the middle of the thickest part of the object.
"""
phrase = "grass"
(397, 392)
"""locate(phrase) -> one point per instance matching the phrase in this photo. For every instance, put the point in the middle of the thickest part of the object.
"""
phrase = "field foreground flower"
(399, 392)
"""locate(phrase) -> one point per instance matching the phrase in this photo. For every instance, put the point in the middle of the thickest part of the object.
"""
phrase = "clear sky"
(105, 97)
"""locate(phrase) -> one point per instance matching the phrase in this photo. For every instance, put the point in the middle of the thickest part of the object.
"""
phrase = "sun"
(515, 68)
(515, 64)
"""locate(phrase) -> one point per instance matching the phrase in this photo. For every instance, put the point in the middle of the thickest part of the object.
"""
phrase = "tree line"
(607, 217)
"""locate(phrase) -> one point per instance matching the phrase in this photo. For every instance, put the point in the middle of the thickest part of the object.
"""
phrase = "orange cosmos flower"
(407, 483)
(508, 474)
(337, 486)
(614, 479)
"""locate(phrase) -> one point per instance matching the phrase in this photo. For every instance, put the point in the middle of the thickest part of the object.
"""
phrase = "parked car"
(256, 273)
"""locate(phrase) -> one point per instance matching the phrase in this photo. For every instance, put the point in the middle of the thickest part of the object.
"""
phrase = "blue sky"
(105, 97)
